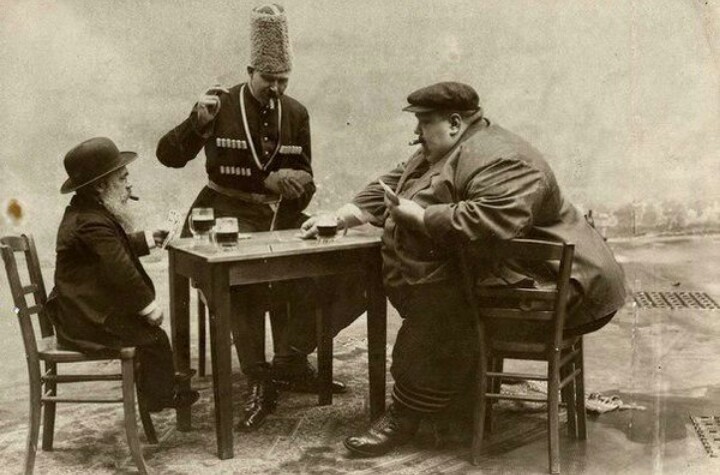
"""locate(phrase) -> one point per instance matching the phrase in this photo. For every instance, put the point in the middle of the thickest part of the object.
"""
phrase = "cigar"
(416, 141)
(134, 198)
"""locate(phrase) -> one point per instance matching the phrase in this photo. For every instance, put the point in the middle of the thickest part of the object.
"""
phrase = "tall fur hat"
(269, 41)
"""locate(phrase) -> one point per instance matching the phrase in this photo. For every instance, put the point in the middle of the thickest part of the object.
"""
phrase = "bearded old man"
(470, 179)
(103, 298)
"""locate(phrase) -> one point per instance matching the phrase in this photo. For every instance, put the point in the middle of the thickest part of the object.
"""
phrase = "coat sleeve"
(371, 199)
(293, 207)
(139, 243)
(183, 143)
(116, 268)
(499, 201)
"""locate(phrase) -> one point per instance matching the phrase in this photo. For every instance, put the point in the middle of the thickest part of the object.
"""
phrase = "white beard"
(114, 203)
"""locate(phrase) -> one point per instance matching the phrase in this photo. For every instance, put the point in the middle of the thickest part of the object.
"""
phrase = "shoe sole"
(364, 453)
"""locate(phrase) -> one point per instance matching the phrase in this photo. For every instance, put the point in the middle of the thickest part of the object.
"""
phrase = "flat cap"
(443, 96)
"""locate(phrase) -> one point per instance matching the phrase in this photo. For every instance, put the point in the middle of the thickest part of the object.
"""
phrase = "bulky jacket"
(492, 185)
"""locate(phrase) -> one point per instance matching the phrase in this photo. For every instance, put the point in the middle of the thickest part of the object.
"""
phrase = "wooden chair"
(43, 386)
(543, 308)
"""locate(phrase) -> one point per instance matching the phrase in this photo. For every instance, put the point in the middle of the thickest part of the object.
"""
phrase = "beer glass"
(225, 233)
(201, 222)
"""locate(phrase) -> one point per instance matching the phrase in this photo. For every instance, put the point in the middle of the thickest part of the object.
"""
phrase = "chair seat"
(527, 349)
(49, 350)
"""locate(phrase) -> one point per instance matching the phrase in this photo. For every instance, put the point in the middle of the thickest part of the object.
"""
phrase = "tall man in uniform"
(103, 298)
(257, 144)
(469, 180)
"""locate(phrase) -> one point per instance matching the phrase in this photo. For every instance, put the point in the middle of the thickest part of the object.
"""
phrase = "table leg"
(324, 341)
(180, 332)
(377, 336)
(220, 347)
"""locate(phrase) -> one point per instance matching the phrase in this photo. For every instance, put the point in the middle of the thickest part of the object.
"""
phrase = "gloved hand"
(209, 105)
(288, 183)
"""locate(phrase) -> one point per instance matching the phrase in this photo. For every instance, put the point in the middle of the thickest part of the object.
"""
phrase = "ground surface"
(665, 360)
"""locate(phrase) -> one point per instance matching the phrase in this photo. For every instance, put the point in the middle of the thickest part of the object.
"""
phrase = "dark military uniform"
(243, 144)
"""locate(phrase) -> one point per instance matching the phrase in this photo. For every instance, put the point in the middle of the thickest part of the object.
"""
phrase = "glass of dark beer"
(201, 222)
(225, 233)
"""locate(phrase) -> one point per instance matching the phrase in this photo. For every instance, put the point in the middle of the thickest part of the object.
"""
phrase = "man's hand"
(155, 318)
(288, 183)
(159, 236)
(308, 229)
(209, 105)
(407, 213)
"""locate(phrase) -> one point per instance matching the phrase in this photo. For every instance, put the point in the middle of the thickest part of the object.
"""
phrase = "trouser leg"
(348, 297)
(156, 379)
(248, 327)
(436, 347)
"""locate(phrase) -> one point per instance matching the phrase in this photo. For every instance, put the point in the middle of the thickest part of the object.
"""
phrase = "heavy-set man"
(469, 180)
(103, 298)
(257, 144)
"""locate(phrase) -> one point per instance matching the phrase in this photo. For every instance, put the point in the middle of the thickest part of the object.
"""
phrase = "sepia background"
(621, 96)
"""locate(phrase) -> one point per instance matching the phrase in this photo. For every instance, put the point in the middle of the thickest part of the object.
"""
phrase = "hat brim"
(124, 158)
(418, 109)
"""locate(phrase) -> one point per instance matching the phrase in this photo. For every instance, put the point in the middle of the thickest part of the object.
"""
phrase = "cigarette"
(416, 141)
(133, 197)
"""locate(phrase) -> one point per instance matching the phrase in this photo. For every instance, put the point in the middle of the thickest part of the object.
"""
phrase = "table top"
(278, 244)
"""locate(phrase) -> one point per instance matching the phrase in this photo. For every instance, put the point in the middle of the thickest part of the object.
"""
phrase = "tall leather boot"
(260, 400)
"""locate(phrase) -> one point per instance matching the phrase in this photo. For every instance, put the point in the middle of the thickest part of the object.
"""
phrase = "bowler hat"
(443, 96)
(93, 159)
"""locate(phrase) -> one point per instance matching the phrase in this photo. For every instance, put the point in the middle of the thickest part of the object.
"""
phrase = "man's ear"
(250, 70)
(455, 123)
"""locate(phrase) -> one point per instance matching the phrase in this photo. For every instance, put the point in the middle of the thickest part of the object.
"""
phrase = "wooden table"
(269, 257)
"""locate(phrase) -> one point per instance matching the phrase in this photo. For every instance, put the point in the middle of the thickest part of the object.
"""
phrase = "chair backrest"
(544, 305)
(10, 246)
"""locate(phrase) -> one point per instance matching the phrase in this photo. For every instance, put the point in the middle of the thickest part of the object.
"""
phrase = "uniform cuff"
(351, 215)
(150, 308)
(438, 220)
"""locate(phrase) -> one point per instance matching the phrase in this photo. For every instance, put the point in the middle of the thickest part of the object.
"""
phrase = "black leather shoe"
(261, 400)
(305, 382)
(394, 428)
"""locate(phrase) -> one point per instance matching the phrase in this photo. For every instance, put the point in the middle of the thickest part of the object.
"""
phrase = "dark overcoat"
(97, 274)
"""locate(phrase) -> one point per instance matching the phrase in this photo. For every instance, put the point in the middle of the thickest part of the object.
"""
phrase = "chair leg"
(128, 390)
(580, 393)
(496, 365)
(553, 412)
(49, 410)
(480, 406)
(202, 332)
(145, 418)
(568, 397)
(34, 422)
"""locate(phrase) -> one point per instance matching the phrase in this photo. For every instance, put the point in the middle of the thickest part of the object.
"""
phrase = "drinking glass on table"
(225, 233)
(201, 222)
